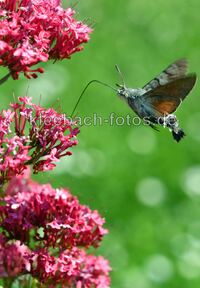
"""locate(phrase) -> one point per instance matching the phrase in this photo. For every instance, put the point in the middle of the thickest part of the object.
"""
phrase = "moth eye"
(126, 94)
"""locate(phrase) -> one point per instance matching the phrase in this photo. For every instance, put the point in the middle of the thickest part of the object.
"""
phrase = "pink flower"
(61, 230)
(73, 268)
(42, 137)
(14, 154)
(64, 221)
(13, 258)
(34, 31)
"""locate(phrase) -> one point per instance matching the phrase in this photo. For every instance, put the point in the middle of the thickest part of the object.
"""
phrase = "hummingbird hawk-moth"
(160, 97)
(156, 102)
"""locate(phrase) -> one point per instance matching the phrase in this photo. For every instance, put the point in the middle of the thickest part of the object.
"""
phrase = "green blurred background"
(144, 184)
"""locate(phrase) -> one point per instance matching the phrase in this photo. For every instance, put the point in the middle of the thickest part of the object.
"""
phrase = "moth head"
(122, 91)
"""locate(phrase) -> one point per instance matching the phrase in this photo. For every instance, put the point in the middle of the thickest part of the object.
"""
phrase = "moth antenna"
(93, 81)
(120, 75)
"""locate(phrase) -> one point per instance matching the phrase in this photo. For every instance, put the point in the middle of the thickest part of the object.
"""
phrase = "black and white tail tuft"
(178, 135)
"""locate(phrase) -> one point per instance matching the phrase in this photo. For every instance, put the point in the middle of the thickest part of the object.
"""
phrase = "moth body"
(132, 97)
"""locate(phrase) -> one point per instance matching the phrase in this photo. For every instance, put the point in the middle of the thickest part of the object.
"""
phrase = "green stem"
(5, 78)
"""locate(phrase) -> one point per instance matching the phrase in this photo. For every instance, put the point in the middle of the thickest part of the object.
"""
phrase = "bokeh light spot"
(142, 140)
(151, 191)
(191, 181)
(193, 126)
(46, 87)
(159, 268)
(189, 265)
(81, 163)
(136, 278)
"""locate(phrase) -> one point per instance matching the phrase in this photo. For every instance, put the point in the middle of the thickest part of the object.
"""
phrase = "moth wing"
(165, 99)
(176, 70)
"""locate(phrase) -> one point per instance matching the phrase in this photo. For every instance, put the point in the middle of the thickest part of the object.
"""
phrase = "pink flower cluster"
(72, 267)
(45, 232)
(33, 31)
(41, 137)
(57, 223)
(63, 221)
(13, 258)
